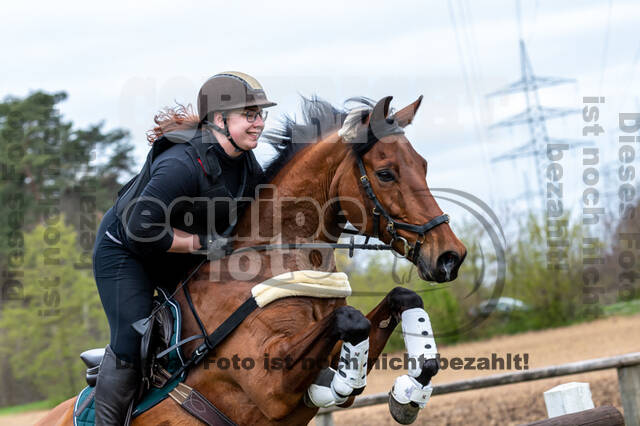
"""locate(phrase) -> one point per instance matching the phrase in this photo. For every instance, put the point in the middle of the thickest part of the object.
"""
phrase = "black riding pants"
(125, 289)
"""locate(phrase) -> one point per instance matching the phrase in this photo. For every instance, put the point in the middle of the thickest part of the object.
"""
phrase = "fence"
(628, 367)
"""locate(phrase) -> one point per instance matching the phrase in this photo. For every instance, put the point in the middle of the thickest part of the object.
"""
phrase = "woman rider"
(160, 221)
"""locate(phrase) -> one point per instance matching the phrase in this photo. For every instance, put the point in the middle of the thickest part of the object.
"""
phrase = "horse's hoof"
(405, 414)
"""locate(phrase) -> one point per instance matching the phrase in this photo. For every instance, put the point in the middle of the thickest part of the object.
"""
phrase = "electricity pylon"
(535, 116)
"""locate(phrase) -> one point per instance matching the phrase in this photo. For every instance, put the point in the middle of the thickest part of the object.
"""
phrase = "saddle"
(165, 367)
(161, 357)
(159, 332)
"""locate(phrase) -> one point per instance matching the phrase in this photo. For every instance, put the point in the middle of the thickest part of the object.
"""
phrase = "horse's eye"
(385, 175)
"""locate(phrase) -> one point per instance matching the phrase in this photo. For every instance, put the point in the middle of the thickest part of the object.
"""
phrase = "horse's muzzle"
(446, 268)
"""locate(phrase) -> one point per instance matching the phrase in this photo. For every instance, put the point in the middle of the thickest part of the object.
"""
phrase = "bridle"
(410, 252)
(378, 127)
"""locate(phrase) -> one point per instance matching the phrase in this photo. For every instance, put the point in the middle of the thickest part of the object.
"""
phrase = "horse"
(338, 166)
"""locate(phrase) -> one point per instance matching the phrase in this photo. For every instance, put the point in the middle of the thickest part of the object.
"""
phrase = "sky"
(121, 62)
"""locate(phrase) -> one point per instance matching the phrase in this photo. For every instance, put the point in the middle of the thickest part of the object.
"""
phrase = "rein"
(410, 252)
(235, 319)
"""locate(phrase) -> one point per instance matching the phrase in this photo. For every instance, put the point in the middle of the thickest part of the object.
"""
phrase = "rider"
(153, 232)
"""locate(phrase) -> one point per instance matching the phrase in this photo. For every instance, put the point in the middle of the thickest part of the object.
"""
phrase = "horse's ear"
(406, 114)
(381, 109)
(365, 117)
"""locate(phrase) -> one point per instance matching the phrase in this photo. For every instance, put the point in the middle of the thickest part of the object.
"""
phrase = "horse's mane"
(319, 119)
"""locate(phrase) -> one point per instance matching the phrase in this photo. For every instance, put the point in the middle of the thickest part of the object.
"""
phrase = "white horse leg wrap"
(322, 394)
(351, 374)
(407, 389)
(418, 339)
(352, 368)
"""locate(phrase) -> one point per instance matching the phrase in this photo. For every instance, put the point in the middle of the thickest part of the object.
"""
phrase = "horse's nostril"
(448, 263)
(448, 258)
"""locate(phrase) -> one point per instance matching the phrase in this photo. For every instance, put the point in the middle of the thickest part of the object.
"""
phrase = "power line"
(469, 80)
(519, 20)
(534, 21)
(605, 49)
(469, 33)
(463, 68)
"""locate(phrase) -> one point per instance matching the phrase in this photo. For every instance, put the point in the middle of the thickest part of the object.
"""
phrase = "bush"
(554, 296)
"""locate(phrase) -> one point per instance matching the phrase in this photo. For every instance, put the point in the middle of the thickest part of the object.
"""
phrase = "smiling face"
(245, 126)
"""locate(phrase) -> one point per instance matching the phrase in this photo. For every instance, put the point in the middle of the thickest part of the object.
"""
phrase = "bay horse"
(317, 183)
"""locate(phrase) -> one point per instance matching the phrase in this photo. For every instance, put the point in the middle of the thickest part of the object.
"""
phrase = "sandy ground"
(517, 403)
(22, 419)
(503, 405)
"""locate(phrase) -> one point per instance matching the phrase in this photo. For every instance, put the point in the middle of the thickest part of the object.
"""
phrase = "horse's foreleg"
(385, 317)
(411, 391)
(311, 349)
(333, 387)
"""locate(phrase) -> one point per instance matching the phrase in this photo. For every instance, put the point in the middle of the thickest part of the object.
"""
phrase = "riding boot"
(115, 390)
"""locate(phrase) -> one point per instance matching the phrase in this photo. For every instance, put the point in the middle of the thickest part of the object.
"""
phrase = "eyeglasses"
(251, 115)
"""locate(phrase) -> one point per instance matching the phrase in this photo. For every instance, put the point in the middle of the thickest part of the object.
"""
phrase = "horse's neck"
(302, 186)
(293, 207)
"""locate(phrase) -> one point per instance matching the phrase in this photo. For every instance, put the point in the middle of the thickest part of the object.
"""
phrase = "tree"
(47, 166)
(59, 316)
(48, 170)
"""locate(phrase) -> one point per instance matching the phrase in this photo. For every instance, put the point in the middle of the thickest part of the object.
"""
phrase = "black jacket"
(186, 183)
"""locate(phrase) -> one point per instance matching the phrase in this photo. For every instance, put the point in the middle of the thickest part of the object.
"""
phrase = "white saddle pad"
(302, 283)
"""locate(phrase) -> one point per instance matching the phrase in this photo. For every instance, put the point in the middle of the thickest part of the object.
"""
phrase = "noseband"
(410, 252)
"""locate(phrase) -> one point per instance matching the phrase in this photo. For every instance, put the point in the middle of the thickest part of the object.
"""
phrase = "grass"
(623, 308)
(32, 406)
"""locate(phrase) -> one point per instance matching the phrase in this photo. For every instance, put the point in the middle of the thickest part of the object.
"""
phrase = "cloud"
(122, 62)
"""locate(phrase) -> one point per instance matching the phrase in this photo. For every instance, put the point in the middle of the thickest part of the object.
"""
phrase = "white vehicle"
(502, 305)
